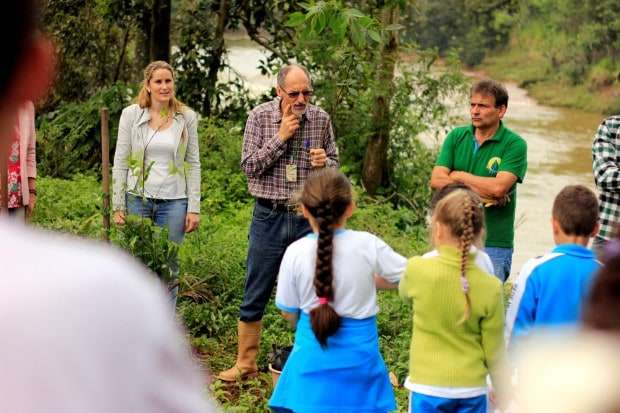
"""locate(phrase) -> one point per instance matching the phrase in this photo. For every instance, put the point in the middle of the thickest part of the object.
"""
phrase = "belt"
(282, 206)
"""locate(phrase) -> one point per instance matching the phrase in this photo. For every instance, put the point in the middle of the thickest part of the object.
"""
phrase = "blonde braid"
(466, 240)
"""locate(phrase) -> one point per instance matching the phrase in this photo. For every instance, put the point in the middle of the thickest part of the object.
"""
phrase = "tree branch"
(253, 33)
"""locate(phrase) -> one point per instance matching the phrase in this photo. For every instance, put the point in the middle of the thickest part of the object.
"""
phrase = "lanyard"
(297, 143)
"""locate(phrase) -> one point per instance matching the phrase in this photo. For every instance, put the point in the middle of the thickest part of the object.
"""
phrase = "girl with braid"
(327, 289)
(458, 314)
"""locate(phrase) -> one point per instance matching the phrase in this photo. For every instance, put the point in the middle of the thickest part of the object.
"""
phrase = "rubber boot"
(245, 367)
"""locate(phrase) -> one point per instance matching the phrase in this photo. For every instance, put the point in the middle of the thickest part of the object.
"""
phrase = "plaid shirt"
(265, 156)
(606, 166)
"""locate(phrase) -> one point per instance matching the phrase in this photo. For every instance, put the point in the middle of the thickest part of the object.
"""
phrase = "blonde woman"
(156, 165)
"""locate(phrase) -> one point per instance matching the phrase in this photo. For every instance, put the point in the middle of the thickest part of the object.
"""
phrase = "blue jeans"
(271, 232)
(169, 213)
(421, 403)
(502, 261)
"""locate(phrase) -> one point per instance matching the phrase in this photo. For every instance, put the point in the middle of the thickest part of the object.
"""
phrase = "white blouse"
(161, 182)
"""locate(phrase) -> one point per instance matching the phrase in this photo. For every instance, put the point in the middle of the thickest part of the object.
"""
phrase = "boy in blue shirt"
(550, 290)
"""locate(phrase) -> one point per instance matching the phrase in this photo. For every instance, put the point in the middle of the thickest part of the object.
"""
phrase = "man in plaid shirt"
(284, 140)
(606, 166)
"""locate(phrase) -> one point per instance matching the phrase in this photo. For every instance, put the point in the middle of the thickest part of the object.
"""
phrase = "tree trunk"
(216, 58)
(143, 42)
(374, 172)
(160, 31)
(121, 58)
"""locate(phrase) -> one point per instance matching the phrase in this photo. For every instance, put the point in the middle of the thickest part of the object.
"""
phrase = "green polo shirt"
(505, 151)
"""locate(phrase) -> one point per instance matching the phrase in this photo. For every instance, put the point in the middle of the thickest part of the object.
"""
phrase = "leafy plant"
(149, 243)
(379, 93)
(69, 137)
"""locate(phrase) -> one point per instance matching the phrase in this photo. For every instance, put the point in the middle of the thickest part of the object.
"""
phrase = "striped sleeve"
(518, 306)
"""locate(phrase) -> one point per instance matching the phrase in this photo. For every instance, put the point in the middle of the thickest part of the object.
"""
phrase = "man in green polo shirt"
(490, 159)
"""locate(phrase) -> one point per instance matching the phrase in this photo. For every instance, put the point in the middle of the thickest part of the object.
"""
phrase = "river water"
(559, 151)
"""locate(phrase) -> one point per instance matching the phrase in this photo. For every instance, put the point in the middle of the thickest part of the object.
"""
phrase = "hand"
(32, 200)
(454, 175)
(318, 157)
(119, 218)
(191, 221)
(502, 202)
(289, 123)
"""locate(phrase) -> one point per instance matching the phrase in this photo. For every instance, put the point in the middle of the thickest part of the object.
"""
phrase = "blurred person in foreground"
(577, 371)
(84, 329)
(21, 164)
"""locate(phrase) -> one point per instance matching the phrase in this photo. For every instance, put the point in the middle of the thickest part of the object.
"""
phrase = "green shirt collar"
(498, 136)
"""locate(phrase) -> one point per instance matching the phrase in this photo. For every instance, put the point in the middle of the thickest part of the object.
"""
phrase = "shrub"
(149, 243)
(69, 138)
(72, 206)
(223, 183)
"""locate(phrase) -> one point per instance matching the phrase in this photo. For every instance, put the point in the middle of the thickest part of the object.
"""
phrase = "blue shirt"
(550, 290)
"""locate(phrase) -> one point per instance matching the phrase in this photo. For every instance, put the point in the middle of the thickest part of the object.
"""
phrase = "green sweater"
(443, 353)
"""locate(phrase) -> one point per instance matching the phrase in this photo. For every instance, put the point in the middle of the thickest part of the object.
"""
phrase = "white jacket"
(133, 126)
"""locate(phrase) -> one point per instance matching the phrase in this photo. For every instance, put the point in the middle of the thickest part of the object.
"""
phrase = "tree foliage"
(582, 38)
(380, 92)
(69, 137)
(473, 27)
(201, 51)
(102, 42)
(91, 38)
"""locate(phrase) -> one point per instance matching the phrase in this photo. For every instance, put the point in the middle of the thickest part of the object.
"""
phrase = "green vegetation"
(565, 52)
(471, 27)
(547, 62)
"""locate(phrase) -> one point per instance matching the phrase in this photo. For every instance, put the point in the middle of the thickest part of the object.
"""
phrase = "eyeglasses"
(295, 95)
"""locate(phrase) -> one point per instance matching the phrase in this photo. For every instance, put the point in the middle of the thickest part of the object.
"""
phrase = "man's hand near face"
(289, 123)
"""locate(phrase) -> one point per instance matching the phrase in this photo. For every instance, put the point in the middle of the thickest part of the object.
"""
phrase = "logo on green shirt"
(493, 165)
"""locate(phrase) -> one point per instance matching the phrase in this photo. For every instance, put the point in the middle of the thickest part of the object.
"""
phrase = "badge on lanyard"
(291, 173)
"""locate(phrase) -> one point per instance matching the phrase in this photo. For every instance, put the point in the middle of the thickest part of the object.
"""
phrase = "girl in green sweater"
(458, 314)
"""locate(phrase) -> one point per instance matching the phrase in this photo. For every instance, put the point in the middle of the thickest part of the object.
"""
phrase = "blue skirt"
(348, 376)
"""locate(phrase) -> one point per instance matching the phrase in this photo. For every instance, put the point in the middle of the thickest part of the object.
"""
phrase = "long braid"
(324, 319)
(466, 238)
(461, 211)
(326, 196)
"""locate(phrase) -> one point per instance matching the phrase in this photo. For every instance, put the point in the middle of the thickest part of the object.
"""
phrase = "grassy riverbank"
(530, 61)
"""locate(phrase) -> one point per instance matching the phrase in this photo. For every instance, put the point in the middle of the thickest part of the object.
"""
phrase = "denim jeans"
(271, 232)
(169, 213)
(502, 261)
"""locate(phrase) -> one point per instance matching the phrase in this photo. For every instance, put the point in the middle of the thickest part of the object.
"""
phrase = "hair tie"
(323, 300)
(464, 284)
